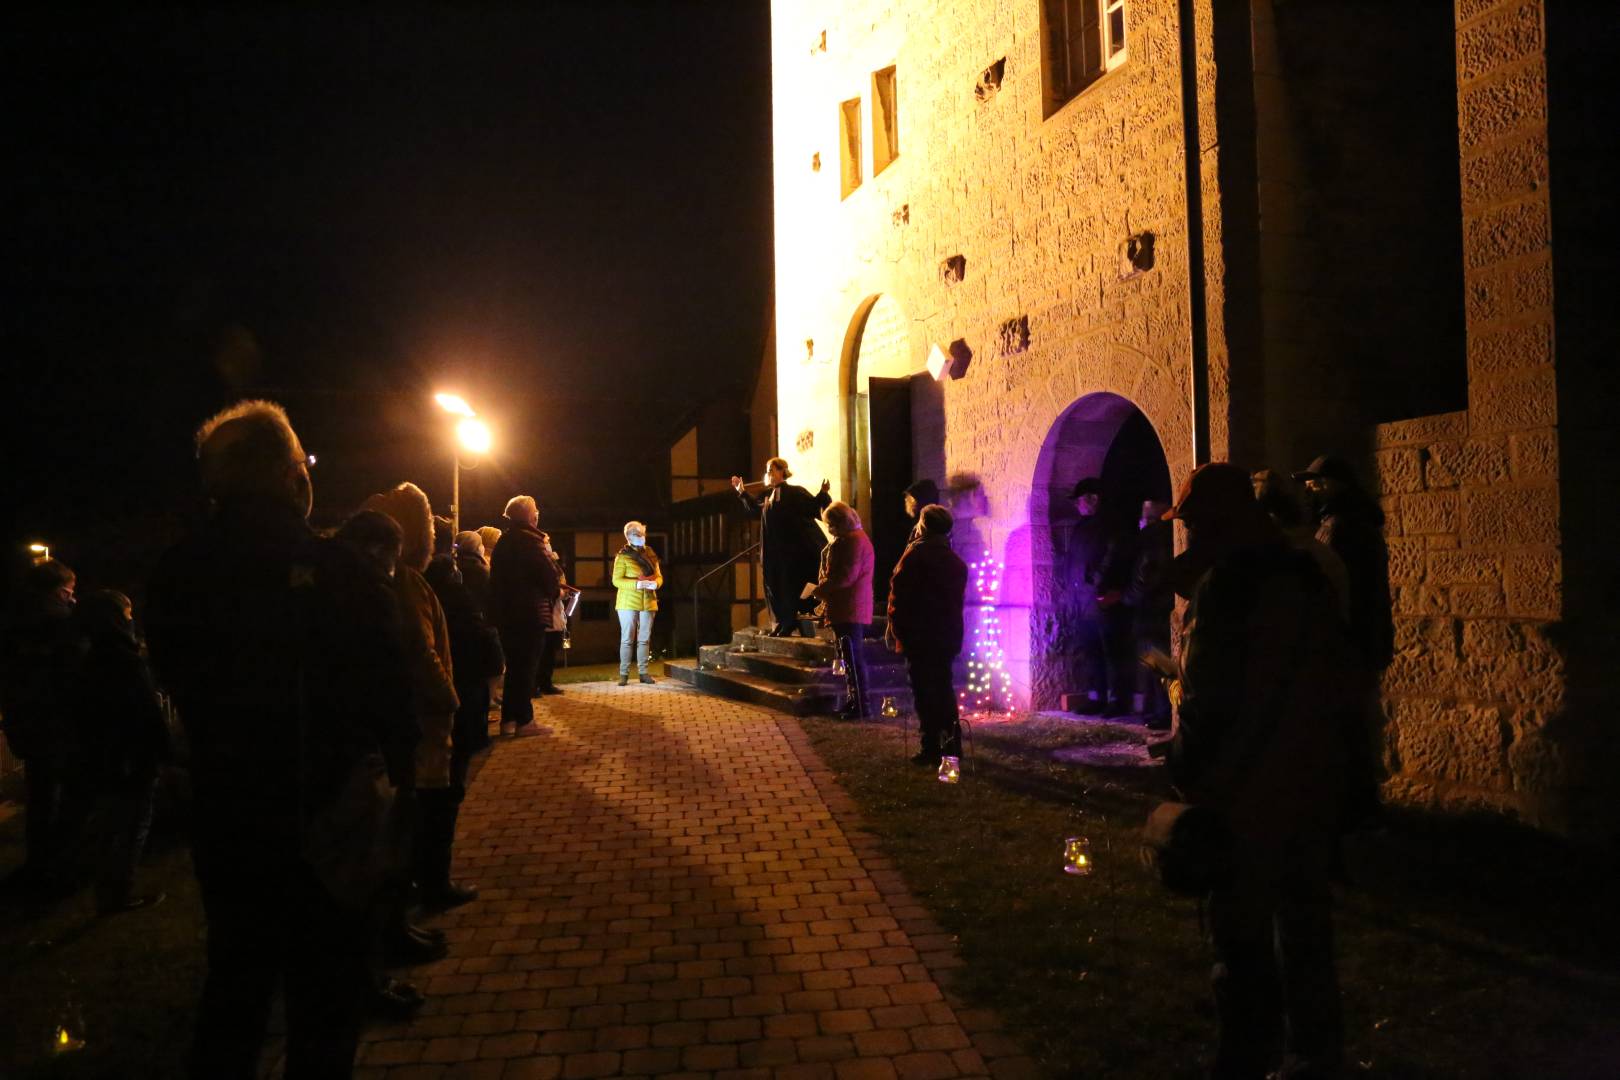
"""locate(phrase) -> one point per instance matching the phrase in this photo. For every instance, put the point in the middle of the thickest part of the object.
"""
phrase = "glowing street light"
(454, 403)
(40, 552)
(471, 434)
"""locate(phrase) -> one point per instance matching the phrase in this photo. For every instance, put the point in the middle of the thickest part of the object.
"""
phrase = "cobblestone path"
(672, 884)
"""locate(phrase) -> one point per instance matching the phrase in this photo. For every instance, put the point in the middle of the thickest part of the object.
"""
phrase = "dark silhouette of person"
(925, 626)
(523, 586)
(1266, 674)
(283, 654)
(1095, 565)
(791, 542)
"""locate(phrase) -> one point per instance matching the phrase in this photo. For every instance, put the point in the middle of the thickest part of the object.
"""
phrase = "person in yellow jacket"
(638, 577)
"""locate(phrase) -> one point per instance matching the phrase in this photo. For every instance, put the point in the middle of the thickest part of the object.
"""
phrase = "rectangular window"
(885, 129)
(849, 146)
(1081, 40)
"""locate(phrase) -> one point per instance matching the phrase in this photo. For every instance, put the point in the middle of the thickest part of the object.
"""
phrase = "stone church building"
(1021, 242)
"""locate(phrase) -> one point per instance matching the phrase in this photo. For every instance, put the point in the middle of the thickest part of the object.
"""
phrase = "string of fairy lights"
(989, 684)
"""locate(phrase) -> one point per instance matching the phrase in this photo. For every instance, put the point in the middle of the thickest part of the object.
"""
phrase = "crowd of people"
(1286, 633)
(332, 691)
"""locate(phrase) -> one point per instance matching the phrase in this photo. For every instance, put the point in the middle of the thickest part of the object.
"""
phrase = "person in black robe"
(791, 541)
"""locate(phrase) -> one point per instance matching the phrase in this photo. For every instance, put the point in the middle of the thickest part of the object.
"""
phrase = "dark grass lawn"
(1465, 950)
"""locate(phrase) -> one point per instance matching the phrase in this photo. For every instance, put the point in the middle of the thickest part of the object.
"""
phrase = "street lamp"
(40, 552)
(473, 435)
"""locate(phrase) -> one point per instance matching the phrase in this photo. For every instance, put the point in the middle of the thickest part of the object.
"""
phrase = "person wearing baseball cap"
(1265, 704)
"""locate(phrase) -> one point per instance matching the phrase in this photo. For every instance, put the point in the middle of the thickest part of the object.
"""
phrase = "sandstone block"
(1421, 429)
(1515, 402)
(1474, 462)
(1501, 104)
(1465, 744)
(1511, 349)
(1531, 679)
(1468, 601)
(1398, 471)
(1503, 38)
(1538, 764)
(1429, 512)
(1506, 232)
(1532, 583)
(1468, 10)
(1441, 542)
(1534, 455)
(1425, 655)
(1406, 559)
(1506, 172)
(1514, 290)
(1461, 568)
(1510, 516)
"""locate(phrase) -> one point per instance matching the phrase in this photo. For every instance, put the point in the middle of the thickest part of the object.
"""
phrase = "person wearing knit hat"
(925, 626)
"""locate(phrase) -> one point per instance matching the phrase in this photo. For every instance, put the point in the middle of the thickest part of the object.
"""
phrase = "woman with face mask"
(637, 575)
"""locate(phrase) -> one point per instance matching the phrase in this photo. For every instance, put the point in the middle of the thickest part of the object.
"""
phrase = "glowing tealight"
(1077, 855)
(950, 769)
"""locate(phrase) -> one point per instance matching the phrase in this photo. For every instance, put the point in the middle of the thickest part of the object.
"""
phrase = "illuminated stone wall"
(1038, 212)
(1477, 693)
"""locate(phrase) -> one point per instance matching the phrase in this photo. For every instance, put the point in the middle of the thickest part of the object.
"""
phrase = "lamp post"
(471, 434)
(39, 552)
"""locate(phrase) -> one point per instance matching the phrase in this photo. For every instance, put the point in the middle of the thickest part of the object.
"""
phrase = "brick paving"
(674, 885)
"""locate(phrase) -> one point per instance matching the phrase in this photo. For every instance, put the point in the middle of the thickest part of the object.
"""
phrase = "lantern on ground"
(950, 770)
(1077, 855)
(838, 666)
(889, 709)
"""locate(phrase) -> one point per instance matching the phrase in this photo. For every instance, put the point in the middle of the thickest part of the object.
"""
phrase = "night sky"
(563, 212)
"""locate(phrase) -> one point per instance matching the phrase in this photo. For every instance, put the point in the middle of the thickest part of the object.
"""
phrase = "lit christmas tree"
(989, 686)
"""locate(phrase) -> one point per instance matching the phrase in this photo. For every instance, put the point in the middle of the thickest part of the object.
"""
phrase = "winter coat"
(1354, 528)
(1096, 561)
(522, 581)
(626, 572)
(925, 599)
(432, 675)
(1147, 590)
(845, 582)
(475, 577)
(120, 718)
(474, 644)
(1268, 703)
(790, 538)
(285, 659)
(40, 655)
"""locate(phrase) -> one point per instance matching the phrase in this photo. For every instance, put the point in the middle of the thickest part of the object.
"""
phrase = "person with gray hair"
(523, 587)
(637, 576)
(283, 655)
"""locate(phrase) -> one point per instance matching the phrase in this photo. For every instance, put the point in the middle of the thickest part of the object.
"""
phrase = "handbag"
(354, 843)
(1190, 846)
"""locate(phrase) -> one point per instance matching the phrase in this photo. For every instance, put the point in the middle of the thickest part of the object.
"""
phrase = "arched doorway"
(894, 424)
(1100, 435)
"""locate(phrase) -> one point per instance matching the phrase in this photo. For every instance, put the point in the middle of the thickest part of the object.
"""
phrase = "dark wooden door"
(890, 441)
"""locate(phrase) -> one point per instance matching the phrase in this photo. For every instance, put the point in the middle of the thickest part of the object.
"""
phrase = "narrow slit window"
(849, 145)
(885, 128)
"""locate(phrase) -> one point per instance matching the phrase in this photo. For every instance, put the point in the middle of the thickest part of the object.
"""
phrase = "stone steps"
(791, 674)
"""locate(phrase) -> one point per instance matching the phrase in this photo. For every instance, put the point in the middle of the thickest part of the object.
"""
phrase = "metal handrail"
(697, 639)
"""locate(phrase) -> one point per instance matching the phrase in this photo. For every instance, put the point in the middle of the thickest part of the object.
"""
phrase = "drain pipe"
(1197, 298)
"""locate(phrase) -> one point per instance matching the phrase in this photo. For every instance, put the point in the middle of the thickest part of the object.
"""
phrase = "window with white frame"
(1081, 41)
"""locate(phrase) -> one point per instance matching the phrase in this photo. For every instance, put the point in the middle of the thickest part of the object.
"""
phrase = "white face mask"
(638, 541)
